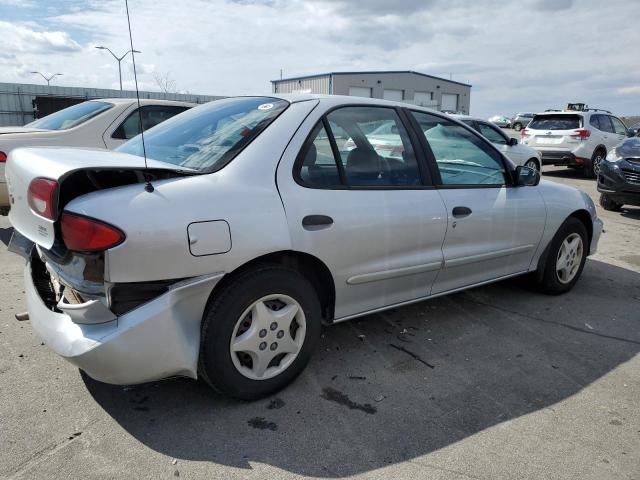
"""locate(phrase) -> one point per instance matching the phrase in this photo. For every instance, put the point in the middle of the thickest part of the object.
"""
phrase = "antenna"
(148, 187)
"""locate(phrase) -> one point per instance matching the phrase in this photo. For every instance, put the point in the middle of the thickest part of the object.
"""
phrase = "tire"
(550, 280)
(592, 168)
(532, 163)
(608, 204)
(517, 126)
(227, 315)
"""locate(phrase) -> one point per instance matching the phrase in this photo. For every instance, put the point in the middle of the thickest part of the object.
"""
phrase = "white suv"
(574, 138)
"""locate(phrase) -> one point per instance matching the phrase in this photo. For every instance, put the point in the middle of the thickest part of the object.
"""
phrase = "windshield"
(206, 138)
(71, 117)
(555, 122)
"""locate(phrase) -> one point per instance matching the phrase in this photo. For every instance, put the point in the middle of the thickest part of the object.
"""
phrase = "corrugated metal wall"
(320, 85)
(16, 107)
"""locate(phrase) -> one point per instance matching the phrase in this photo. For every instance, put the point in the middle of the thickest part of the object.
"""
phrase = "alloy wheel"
(531, 164)
(268, 337)
(569, 258)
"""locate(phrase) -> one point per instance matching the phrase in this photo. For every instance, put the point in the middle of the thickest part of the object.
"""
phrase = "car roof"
(144, 101)
(461, 117)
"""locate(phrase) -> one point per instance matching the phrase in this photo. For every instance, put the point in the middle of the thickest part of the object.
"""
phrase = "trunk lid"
(13, 130)
(85, 170)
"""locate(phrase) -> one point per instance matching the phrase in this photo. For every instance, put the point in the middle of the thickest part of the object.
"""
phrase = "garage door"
(450, 102)
(360, 92)
(422, 98)
(394, 95)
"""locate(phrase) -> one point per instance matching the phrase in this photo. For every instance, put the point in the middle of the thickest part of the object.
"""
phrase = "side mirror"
(527, 177)
(631, 132)
(512, 142)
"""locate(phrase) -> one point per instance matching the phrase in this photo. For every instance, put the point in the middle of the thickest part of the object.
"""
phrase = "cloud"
(631, 90)
(20, 39)
(553, 5)
(518, 56)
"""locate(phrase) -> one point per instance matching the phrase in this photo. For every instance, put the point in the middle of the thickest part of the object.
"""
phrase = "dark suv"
(619, 176)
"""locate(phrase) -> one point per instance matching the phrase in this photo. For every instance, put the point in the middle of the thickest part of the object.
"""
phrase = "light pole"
(48, 79)
(119, 59)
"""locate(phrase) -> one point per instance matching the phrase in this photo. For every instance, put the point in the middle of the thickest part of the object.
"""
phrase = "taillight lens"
(3, 157)
(524, 132)
(42, 197)
(84, 234)
(581, 134)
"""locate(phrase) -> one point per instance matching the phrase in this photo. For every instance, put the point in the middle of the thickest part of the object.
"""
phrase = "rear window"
(208, 137)
(555, 122)
(71, 117)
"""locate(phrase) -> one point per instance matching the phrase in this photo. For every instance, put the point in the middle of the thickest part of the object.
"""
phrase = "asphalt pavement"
(499, 382)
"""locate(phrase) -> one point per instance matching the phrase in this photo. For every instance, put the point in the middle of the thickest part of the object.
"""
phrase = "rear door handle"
(460, 212)
(311, 221)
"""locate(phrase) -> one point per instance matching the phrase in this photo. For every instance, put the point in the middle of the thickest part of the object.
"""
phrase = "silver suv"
(578, 139)
(521, 120)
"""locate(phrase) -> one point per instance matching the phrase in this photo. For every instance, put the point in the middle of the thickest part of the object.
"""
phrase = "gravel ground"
(495, 383)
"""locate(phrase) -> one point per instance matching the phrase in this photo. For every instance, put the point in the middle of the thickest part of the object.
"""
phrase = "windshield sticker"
(265, 106)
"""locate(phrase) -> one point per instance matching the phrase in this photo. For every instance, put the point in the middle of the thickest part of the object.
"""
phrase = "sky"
(525, 55)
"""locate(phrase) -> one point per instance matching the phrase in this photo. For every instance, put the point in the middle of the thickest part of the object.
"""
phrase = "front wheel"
(565, 259)
(258, 333)
(609, 204)
(532, 163)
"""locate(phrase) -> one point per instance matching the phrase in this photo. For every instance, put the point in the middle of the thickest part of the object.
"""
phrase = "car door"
(149, 115)
(496, 136)
(493, 227)
(365, 209)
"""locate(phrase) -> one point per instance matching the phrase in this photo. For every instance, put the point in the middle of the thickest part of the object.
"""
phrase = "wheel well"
(585, 218)
(601, 148)
(311, 267)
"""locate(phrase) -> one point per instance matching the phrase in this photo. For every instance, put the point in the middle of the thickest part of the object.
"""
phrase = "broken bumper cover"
(157, 340)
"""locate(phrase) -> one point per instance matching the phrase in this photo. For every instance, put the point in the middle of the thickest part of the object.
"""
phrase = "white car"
(251, 228)
(501, 121)
(105, 123)
(575, 138)
(517, 152)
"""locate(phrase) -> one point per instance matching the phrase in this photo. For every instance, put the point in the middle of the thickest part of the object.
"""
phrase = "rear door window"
(556, 122)
(360, 147)
(152, 115)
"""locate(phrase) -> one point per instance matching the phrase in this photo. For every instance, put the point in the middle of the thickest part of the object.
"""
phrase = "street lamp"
(119, 59)
(48, 79)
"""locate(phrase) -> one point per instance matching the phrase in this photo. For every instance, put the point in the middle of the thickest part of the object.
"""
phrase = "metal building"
(404, 86)
(21, 103)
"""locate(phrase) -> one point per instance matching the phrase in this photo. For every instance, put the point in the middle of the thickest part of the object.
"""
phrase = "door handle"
(460, 212)
(311, 221)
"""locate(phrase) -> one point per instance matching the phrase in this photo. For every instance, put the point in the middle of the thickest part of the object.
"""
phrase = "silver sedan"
(256, 220)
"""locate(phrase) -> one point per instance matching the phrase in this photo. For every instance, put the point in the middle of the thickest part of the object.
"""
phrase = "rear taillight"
(581, 134)
(3, 157)
(42, 197)
(524, 132)
(84, 234)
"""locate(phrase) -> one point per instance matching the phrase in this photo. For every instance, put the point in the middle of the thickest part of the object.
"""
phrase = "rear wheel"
(565, 258)
(608, 204)
(258, 333)
(517, 126)
(592, 168)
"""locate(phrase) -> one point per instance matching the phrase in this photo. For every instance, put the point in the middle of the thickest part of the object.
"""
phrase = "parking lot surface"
(499, 382)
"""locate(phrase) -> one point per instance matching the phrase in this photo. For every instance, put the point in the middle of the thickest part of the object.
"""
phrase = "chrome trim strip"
(396, 272)
(480, 257)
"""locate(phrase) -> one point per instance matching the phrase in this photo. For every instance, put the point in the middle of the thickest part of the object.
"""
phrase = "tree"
(165, 82)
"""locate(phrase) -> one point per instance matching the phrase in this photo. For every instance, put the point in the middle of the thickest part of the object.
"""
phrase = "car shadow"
(5, 235)
(397, 385)
(574, 173)
(630, 212)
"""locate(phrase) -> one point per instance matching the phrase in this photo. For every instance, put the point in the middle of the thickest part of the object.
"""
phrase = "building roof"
(375, 72)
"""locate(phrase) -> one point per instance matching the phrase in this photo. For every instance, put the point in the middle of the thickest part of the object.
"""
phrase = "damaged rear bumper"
(156, 340)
